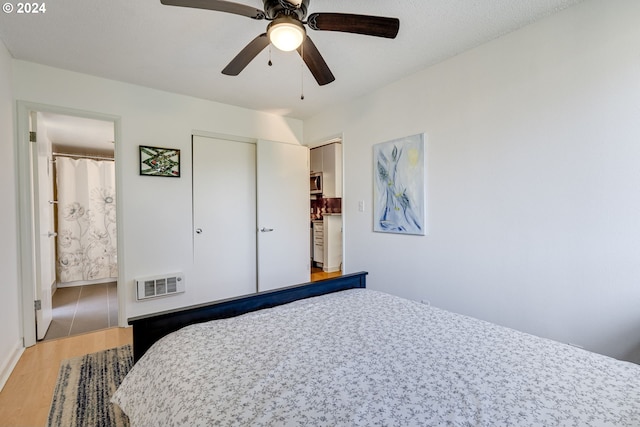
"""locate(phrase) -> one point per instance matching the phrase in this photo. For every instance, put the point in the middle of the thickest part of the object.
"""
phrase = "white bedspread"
(364, 358)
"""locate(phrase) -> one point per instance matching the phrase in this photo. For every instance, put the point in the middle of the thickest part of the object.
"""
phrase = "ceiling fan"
(286, 30)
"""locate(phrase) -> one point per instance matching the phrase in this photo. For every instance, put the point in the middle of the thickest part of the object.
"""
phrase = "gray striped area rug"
(85, 386)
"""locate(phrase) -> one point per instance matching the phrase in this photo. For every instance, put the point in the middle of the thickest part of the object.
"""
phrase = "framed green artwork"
(156, 161)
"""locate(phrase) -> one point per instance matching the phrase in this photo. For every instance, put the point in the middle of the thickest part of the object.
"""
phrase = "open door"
(42, 170)
(283, 215)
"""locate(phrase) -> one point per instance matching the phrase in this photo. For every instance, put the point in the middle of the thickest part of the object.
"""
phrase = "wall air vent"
(159, 286)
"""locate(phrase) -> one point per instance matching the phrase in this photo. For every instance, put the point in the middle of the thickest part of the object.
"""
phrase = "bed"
(343, 355)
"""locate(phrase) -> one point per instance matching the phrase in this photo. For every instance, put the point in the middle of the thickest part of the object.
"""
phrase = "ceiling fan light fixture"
(286, 33)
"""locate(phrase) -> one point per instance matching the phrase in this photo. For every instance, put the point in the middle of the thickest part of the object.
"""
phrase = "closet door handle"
(52, 234)
(266, 230)
(198, 230)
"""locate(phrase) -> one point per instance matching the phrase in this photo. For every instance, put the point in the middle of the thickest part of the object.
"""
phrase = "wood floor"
(318, 274)
(26, 397)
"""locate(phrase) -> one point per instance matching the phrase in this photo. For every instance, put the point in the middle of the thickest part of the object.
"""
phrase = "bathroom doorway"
(84, 293)
(37, 236)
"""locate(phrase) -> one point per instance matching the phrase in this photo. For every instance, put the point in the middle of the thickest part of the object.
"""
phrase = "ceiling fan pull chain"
(270, 63)
(302, 72)
(302, 82)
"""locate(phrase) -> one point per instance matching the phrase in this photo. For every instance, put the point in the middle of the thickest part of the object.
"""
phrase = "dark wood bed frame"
(150, 328)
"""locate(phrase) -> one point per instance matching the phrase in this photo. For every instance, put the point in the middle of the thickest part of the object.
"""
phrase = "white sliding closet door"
(224, 216)
(283, 215)
(250, 215)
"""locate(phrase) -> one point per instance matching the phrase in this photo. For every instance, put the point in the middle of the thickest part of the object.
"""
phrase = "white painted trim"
(120, 227)
(338, 137)
(224, 136)
(10, 363)
(26, 270)
(86, 282)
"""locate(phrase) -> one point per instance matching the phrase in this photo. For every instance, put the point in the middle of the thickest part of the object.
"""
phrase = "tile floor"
(81, 309)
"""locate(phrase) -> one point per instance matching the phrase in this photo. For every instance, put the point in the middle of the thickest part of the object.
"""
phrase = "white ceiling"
(183, 50)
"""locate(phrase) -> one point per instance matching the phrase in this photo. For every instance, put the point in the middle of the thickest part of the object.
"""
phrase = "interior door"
(43, 227)
(224, 216)
(283, 215)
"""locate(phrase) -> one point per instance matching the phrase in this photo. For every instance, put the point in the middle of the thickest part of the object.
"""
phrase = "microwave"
(315, 183)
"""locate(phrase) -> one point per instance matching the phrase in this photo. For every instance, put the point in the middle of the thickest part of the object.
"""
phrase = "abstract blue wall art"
(399, 190)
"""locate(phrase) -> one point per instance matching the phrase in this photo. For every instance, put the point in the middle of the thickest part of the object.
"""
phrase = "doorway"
(83, 308)
(54, 256)
(84, 220)
(327, 225)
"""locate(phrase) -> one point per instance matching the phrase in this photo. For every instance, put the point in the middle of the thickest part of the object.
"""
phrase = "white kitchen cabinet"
(315, 160)
(332, 170)
(327, 243)
(332, 243)
(318, 241)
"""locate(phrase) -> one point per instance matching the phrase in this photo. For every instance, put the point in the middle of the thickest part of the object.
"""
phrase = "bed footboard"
(148, 329)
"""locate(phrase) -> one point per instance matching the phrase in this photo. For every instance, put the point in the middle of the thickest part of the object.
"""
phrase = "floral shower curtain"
(86, 220)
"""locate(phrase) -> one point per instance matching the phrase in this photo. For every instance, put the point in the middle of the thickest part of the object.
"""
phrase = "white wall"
(156, 218)
(10, 342)
(533, 179)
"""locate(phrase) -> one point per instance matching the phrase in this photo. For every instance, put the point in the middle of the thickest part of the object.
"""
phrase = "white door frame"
(26, 239)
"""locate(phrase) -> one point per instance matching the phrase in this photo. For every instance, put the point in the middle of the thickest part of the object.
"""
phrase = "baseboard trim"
(86, 282)
(10, 363)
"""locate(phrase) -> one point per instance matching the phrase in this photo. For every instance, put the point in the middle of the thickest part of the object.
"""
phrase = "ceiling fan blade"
(315, 62)
(246, 55)
(218, 5)
(359, 24)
